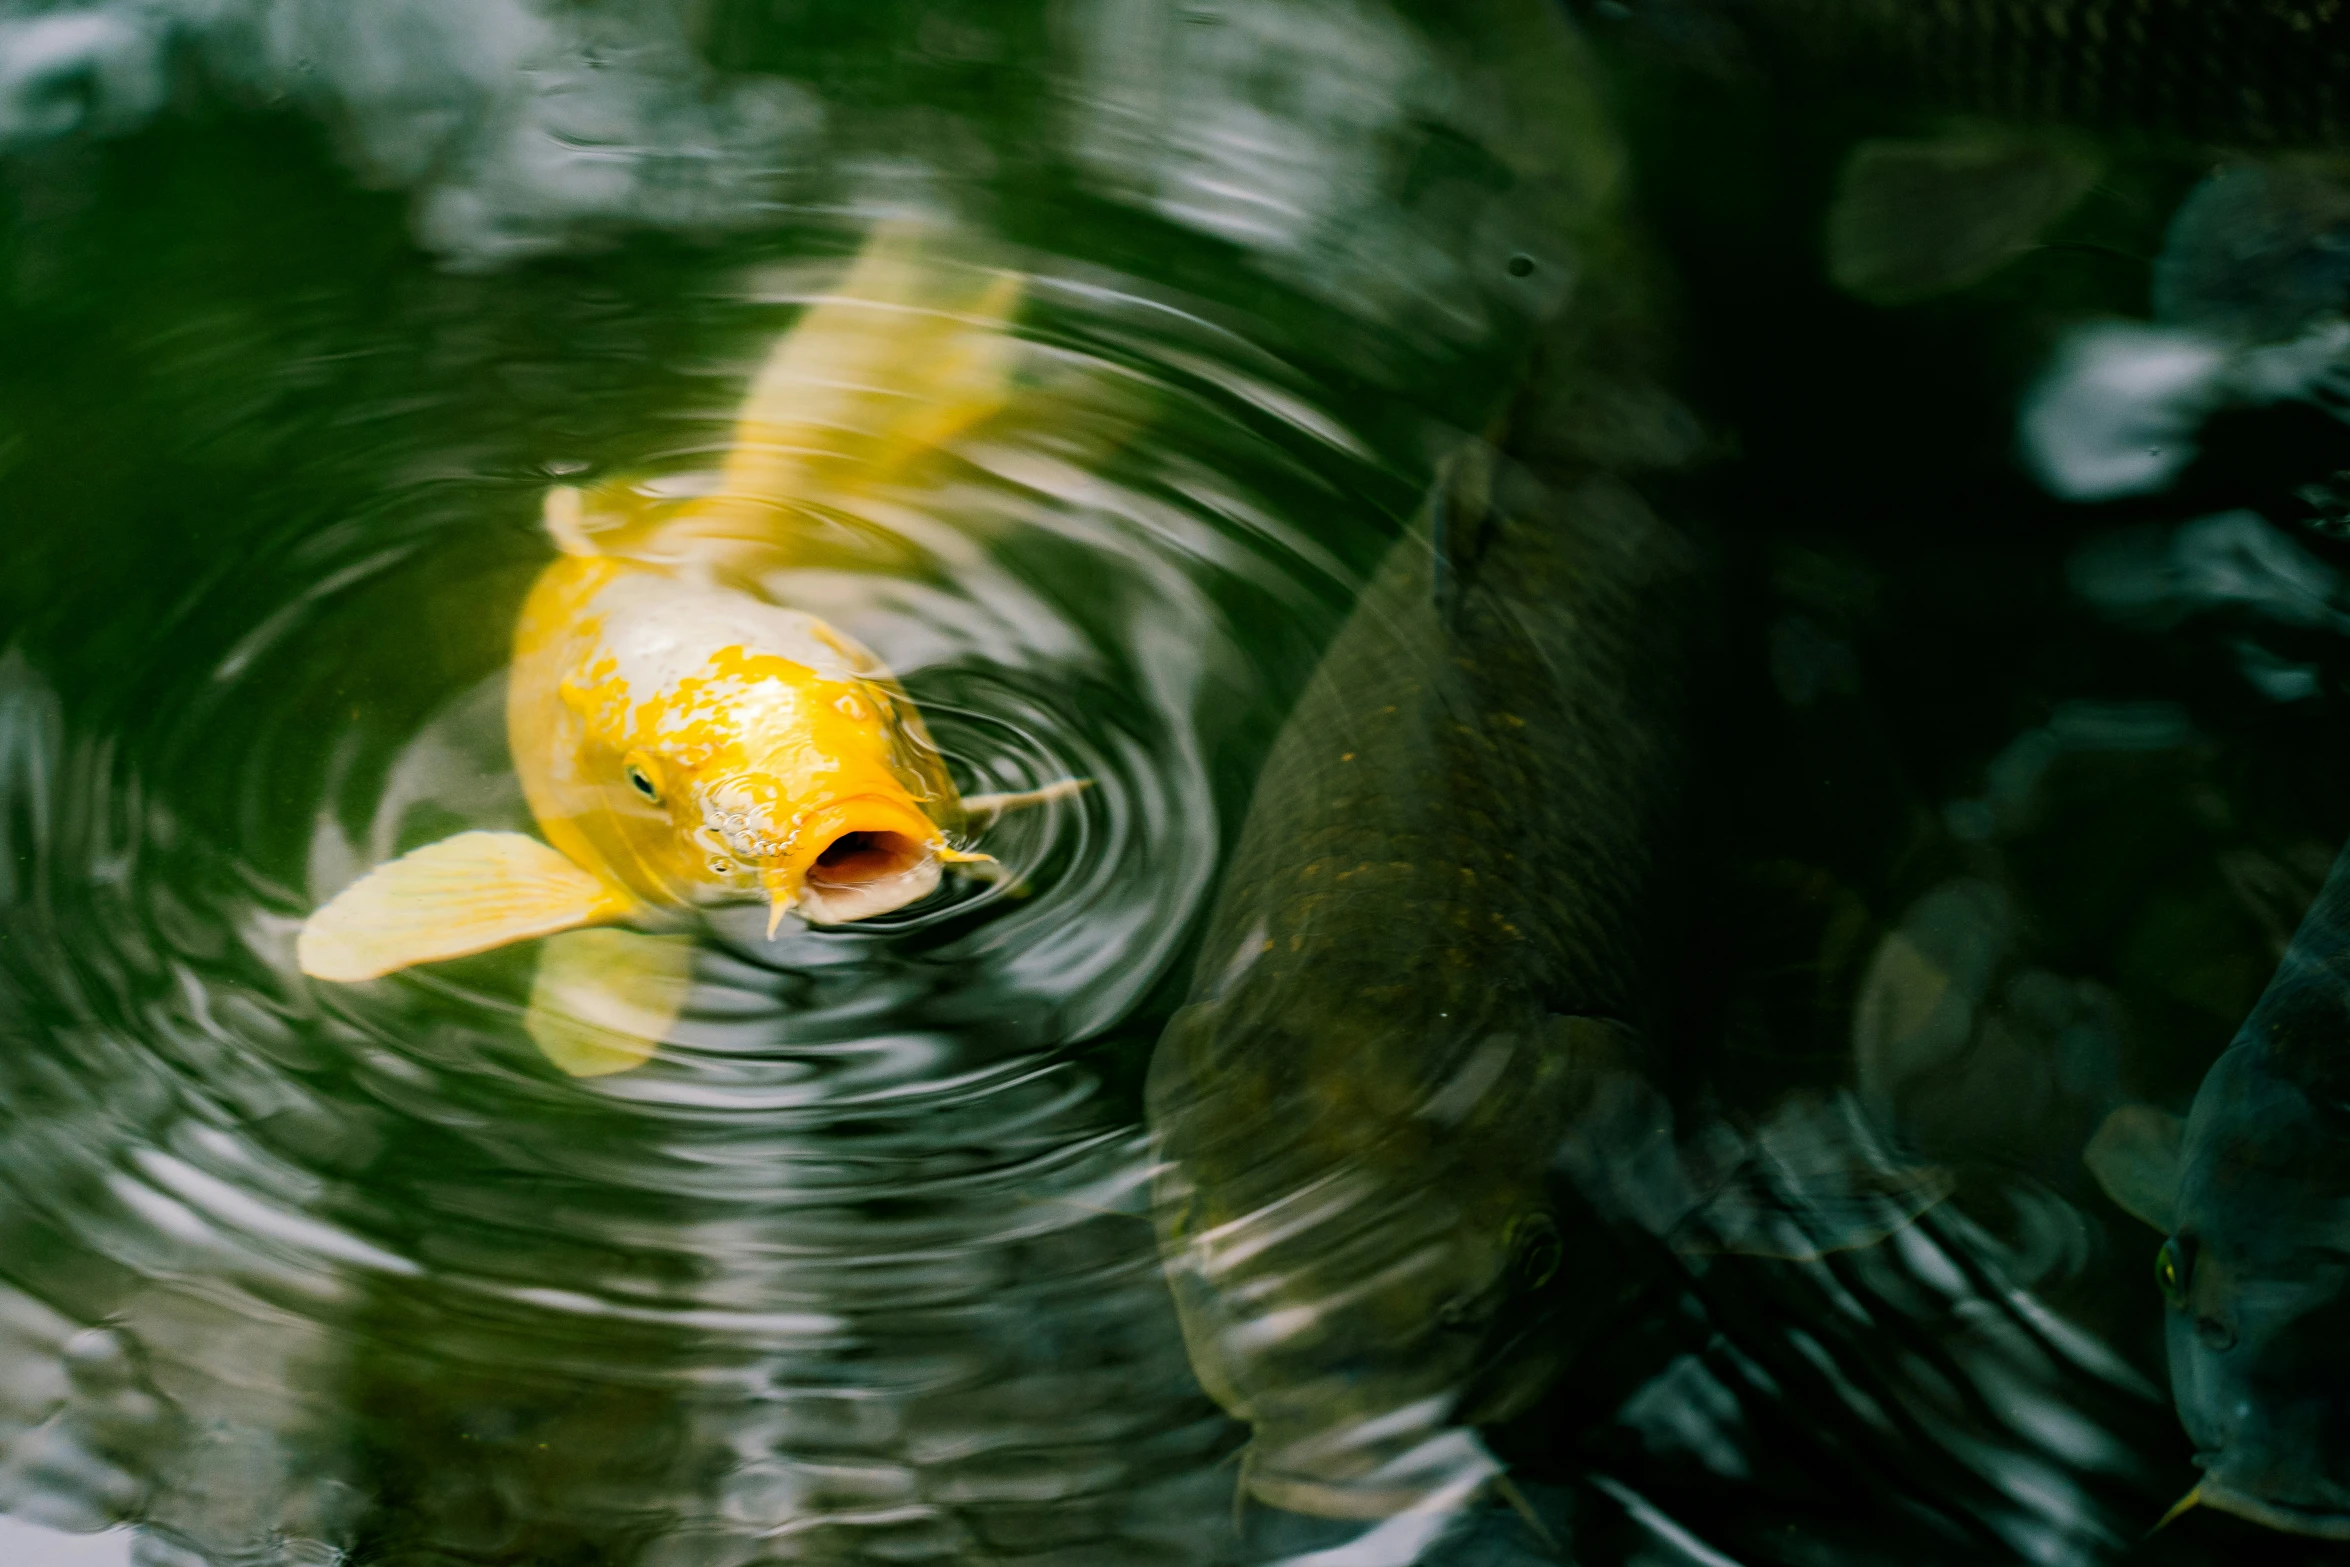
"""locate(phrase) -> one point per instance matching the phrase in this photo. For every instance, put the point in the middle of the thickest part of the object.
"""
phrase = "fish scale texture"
(1458, 823)
(1439, 910)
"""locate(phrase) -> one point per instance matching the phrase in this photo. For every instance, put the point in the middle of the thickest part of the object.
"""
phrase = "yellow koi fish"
(684, 742)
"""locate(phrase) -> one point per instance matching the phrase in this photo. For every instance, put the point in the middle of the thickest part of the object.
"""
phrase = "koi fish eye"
(642, 783)
(1535, 1251)
(2172, 1269)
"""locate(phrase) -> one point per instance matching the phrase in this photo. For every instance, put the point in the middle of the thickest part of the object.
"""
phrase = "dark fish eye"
(2171, 1272)
(642, 784)
(1535, 1251)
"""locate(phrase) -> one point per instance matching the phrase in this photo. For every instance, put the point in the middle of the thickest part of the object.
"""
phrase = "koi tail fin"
(907, 353)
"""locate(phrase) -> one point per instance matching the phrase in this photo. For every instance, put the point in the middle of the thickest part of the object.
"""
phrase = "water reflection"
(518, 126)
(787, 1283)
(858, 1267)
(1884, 825)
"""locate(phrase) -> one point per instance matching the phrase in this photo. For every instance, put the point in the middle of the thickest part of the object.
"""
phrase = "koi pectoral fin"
(605, 999)
(462, 895)
(980, 810)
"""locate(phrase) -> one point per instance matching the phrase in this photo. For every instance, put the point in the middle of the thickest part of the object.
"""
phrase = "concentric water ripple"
(306, 308)
(856, 1267)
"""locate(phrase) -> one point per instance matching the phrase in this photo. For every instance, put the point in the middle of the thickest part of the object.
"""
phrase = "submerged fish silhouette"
(1405, 1107)
(2253, 1190)
(684, 742)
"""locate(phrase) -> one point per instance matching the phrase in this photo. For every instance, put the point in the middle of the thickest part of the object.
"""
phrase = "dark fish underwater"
(2253, 1190)
(1413, 983)
(1433, 938)
(1409, 1125)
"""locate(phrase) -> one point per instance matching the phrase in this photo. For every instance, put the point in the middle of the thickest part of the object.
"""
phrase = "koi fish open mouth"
(860, 857)
(863, 873)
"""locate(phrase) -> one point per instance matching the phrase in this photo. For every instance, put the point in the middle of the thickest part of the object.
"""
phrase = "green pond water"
(302, 309)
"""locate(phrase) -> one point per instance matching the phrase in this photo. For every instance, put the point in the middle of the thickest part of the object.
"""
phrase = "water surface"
(306, 306)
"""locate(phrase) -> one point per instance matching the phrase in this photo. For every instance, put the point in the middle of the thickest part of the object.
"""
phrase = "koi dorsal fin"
(908, 352)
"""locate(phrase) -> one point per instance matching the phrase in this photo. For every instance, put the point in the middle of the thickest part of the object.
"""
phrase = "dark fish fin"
(1913, 219)
(2256, 251)
(1594, 1044)
(1814, 1179)
(1925, 989)
(1461, 523)
(2135, 1158)
(2303, 1017)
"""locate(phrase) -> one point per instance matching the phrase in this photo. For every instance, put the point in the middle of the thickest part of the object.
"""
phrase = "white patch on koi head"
(661, 631)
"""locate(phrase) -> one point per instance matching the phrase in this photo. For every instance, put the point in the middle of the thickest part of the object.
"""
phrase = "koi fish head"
(706, 747)
(840, 860)
(683, 742)
(766, 773)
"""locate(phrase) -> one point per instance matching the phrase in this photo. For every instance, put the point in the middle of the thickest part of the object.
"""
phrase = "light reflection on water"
(855, 1267)
(860, 1267)
(29, 1542)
